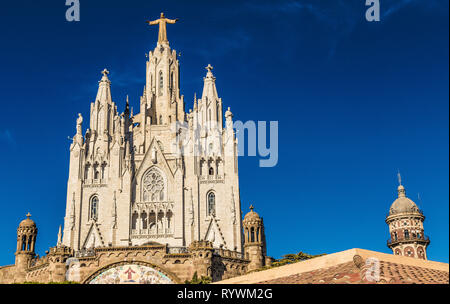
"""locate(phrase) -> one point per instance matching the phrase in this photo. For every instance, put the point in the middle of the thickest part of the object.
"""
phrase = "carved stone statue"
(79, 122)
(162, 35)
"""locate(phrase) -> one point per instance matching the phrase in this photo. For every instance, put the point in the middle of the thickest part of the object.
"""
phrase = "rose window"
(153, 186)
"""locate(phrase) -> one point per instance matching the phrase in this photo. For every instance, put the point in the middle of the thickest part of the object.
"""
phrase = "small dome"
(402, 204)
(251, 215)
(27, 222)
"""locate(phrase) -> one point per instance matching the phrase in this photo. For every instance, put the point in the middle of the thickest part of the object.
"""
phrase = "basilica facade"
(152, 193)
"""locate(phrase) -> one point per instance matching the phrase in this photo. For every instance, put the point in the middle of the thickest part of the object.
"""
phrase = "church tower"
(158, 174)
(405, 222)
(254, 240)
(26, 240)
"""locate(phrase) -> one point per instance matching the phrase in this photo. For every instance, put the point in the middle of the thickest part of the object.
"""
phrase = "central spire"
(104, 88)
(209, 87)
(162, 35)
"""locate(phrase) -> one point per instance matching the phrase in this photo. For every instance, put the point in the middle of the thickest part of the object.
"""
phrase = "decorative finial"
(209, 68)
(28, 215)
(399, 178)
(58, 243)
(105, 72)
(251, 208)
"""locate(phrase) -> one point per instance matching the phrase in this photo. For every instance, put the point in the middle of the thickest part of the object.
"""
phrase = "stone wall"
(62, 265)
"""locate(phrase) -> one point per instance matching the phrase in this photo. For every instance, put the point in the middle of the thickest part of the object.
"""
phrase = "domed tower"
(405, 222)
(26, 239)
(254, 240)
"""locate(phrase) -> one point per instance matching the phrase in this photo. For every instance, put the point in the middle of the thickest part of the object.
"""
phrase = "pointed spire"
(104, 88)
(127, 108)
(400, 189)
(195, 102)
(58, 243)
(209, 87)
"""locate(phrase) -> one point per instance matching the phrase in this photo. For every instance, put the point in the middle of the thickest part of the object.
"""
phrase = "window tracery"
(153, 186)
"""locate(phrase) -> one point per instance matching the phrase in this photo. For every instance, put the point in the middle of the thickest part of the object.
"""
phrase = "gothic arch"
(94, 202)
(100, 270)
(211, 202)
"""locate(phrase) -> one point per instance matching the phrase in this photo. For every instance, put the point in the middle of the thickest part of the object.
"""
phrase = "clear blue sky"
(355, 101)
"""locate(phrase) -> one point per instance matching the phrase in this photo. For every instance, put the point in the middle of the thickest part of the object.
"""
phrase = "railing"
(177, 250)
(425, 239)
(228, 253)
(85, 253)
(152, 232)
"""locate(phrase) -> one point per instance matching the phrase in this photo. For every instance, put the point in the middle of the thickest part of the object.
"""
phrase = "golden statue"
(162, 35)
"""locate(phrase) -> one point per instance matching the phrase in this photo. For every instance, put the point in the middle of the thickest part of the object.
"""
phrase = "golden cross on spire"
(251, 208)
(105, 72)
(162, 34)
(28, 215)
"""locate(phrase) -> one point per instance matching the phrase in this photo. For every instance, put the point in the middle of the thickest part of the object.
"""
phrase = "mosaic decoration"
(131, 274)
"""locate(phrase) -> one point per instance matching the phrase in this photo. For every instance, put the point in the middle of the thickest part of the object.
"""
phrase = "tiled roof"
(349, 273)
(354, 266)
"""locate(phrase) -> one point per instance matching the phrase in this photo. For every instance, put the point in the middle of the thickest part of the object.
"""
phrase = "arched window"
(395, 235)
(93, 210)
(152, 222)
(211, 171)
(252, 235)
(406, 234)
(86, 171)
(96, 173)
(169, 216)
(134, 219)
(144, 220)
(211, 203)
(103, 170)
(30, 240)
(24, 243)
(153, 186)
(160, 223)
